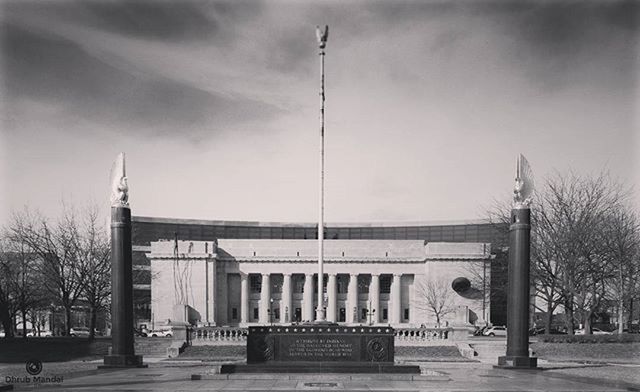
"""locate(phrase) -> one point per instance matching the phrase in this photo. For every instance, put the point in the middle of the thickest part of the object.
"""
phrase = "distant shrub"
(613, 338)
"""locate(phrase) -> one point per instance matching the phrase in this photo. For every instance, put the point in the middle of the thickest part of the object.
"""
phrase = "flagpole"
(320, 314)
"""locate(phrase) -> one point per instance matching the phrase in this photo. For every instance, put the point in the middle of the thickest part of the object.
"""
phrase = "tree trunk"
(621, 315)
(548, 318)
(92, 323)
(24, 323)
(5, 318)
(67, 320)
(568, 315)
(587, 322)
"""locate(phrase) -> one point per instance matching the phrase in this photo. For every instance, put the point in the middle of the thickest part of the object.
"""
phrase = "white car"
(79, 332)
(167, 333)
(496, 331)
(594, 331)
(43, 334)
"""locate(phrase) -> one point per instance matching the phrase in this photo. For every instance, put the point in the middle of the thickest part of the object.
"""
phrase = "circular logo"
(34, 367)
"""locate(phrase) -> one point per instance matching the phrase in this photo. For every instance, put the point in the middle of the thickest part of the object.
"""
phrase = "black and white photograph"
(287, 195)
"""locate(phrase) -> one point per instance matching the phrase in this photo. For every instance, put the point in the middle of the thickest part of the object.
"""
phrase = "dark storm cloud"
(557, 42)
(148, 19)
(57, 71)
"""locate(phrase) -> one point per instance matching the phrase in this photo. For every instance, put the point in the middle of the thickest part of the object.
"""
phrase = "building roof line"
(149, 219)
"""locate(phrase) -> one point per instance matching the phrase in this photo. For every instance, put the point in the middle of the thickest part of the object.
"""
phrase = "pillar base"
(122, 361)
(515, 362)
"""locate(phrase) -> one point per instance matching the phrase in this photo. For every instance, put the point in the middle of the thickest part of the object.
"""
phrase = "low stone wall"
(228, 336)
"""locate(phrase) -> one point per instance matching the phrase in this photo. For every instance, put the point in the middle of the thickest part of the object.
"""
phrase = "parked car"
(167, 333)
(79, 332)
(496, 331)
(139, 333)
(43, 334)
(594, 331)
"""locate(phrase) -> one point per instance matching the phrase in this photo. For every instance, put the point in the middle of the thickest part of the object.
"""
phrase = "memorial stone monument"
(519, 260)
(122, 344)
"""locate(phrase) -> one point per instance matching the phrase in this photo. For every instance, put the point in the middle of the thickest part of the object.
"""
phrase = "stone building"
(243, 273)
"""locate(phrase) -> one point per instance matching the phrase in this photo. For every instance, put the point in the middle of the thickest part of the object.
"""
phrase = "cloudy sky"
(216, 104)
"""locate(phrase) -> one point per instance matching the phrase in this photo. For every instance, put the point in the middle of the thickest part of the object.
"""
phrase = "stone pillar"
(265, 296)
(211, 289)
(122, 343)
(374, 298)
(285, 303)
(244, 298)
(307, 298)
(396, 301)
(332, 298)
(518, 295)
(352, 299)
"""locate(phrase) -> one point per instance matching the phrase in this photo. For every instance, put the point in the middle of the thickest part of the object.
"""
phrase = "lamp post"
(271, 311)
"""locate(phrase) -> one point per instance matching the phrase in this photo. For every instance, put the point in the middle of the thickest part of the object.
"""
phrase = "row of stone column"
(308, 308)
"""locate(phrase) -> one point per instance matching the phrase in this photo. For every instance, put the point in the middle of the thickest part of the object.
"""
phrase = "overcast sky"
(216, 104)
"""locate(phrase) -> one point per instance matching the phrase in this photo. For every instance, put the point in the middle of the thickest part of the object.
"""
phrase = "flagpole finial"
(523, 188)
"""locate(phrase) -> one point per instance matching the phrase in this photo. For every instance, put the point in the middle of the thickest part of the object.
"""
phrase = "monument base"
(122, 361)
(515, 362)
(321, 367)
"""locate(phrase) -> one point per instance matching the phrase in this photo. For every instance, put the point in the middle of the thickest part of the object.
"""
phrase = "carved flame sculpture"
(119, 186)
(523, 189)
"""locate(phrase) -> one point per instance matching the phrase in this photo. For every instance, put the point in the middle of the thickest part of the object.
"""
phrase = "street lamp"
(271, 311)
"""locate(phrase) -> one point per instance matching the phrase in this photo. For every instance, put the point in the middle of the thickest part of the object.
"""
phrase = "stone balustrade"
(200, 336)
(423, 336)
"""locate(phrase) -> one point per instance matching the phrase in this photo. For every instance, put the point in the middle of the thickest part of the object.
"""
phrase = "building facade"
(246, 282)
(241, 273)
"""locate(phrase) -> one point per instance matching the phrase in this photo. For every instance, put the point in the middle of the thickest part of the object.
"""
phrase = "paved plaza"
(474, 376)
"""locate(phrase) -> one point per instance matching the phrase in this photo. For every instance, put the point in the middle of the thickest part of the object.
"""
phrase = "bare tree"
(435, 297)
(57, 246)
(95, 264)
(621, 239)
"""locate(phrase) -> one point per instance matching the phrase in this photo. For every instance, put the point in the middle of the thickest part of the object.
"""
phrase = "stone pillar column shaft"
(374, 297)
(122, 343)
(396, 302)
(332, 297)
(308, 311)
(265, 296)
(518, 294)
(244, 298)
(285, 303)
(352, 299)
(211, 289)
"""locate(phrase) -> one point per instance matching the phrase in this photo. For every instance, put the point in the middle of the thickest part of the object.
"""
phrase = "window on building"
(298, 285)
(276, 314)
(343, 315)
(364, 314)
(406, 314)
(385, 314)
(234, 313)
(255, 314)
(276, 283)
(385, 284)
(343, 284)
(363, 284)
(256, 283)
